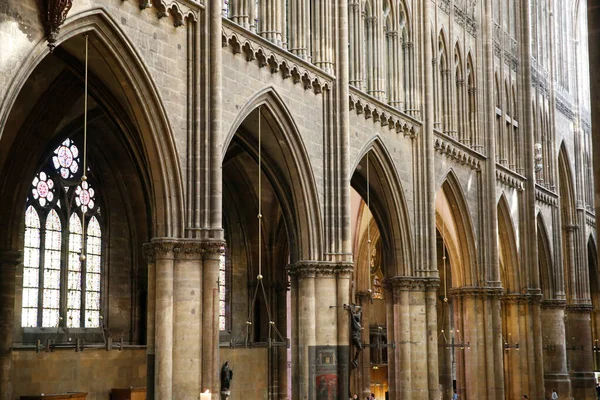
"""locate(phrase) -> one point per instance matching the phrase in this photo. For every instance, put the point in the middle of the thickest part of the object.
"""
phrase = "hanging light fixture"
(83, 174)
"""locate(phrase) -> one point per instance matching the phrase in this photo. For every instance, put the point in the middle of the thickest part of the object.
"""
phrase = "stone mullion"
(148, 250)
(164, 255)
(9, 260)
(187, 327)
(299, 27)
(556, 374)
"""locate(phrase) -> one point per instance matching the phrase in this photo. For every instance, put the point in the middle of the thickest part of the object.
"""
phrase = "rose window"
(66, 159)
(43, 189)
(84, 196)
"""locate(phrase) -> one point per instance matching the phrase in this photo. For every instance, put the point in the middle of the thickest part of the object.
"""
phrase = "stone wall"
(93, 371)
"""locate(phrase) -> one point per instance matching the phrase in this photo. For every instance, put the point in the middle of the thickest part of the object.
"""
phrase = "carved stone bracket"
(312, 269)
(180, 11)
(54, 15)
(509, 180)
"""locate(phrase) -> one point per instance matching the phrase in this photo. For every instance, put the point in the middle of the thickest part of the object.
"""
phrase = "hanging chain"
(259, 277)
(83, 176)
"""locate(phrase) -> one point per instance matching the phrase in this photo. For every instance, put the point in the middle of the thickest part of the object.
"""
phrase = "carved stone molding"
(148, 252)
(179, 10)
(411, 283)
(509, 180)
(189, 249)
(54, 15)
(312, 269)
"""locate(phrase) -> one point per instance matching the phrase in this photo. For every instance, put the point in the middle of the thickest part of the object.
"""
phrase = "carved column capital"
(54, 13)
(189, 249)
(312, 269)
(472, 291)
(554, 303)
(411, 283)
(164, 248)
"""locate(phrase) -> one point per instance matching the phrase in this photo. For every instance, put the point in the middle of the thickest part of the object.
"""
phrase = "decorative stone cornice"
(181, 248)
(554, 303)
(312, 269)
(383, 114)
(266, 54)
(564, 106)
(54, 13)
(411, 283)
(453, 151)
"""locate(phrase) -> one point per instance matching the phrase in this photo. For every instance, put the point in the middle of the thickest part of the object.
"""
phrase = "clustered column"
(556, 374)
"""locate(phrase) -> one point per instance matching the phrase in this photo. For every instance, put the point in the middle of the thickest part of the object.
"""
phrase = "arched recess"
(118, 74)
(387, 204)
(454, 223)
(510, 272)
(286, 165)
(545, 263)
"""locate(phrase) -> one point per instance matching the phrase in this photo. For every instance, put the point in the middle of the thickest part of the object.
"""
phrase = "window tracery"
(61, 284)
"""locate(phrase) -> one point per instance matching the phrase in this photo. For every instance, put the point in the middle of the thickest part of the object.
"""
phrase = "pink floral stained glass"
(85, 196)
(43, 189)
(66, 159)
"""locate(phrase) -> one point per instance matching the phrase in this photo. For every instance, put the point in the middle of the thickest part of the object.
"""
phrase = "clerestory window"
(62, 255)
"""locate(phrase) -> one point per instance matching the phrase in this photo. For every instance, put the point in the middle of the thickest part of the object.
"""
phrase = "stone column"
(579, 351)
(9, 260)
(269, 21)
(148, 251)
(163, 372)
(187, 328)
(210, 316)
(433, 378)
(240, 13)
(556, 374)
(393, 74)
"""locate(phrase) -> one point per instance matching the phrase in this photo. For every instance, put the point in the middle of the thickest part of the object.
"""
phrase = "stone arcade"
(427, 161)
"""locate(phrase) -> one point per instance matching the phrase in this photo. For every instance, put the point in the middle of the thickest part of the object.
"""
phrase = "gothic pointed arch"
(454, 222)
(388, 205)
(287, 166)
(126, 88)
(509, 253)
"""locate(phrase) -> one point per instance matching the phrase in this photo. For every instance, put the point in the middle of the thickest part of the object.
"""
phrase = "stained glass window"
(31, 268)
(60, 286)
(51, 275)
(92, 274)
(222, 324)
(66, 159)
(74, 273)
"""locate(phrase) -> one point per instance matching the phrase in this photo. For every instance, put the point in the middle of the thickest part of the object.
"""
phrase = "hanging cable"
(259, 277)
(83, 176)
(369, 226)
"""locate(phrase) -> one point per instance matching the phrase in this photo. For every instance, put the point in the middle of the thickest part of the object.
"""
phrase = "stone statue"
(226, 376)
(356, 320)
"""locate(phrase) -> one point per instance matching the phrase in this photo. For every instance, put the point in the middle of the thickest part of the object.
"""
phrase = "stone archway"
(131, 144)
